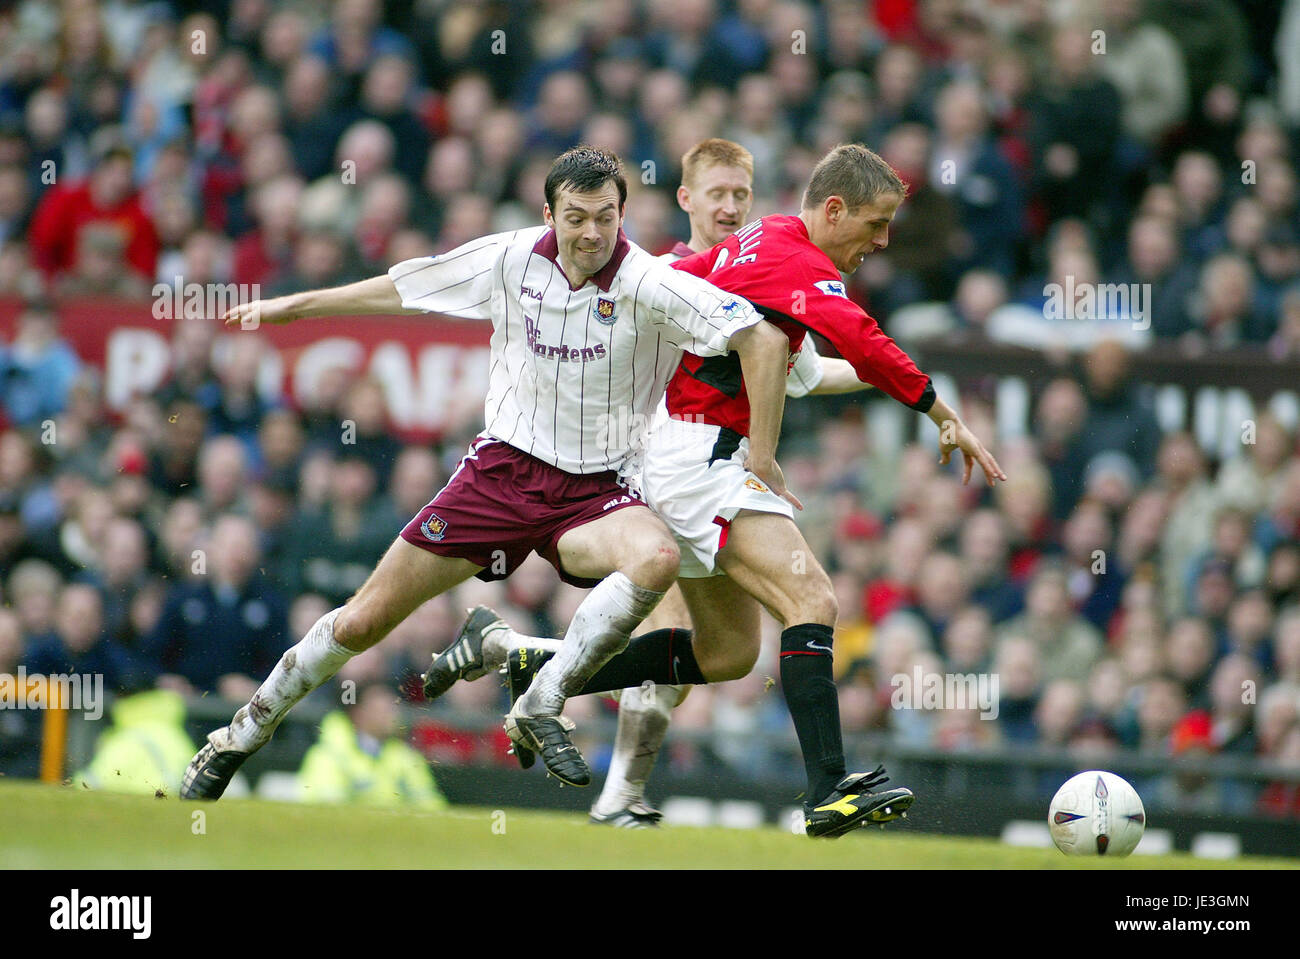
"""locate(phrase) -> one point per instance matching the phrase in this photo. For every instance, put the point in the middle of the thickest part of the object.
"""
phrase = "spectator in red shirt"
(1281, 798)
(107, 199)
(265, 254)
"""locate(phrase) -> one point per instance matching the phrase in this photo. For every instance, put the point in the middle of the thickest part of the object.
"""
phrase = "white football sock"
(643, 714)
(600, 629)
(499, 642)
(300, 670)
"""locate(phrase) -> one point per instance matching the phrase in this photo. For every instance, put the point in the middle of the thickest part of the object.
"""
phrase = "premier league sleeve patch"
(831, 288)
(604, 310)
(434, 528)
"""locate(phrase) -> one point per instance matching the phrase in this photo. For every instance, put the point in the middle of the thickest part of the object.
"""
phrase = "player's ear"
(547, 218)
(834, 208)
(684, 199)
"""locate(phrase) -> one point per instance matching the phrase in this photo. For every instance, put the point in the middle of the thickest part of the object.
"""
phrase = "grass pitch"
(73, 828)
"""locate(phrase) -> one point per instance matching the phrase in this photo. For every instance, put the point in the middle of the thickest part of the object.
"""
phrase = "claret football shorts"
(502, 504)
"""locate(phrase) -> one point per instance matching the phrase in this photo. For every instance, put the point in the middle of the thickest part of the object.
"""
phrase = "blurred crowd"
(1128, 590)
(299, 144)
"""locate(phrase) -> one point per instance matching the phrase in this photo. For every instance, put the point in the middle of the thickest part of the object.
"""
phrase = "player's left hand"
(251, 315)
(770, 473)
(957, 436)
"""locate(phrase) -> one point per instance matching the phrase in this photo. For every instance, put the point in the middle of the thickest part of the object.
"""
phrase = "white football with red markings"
(1096, 813)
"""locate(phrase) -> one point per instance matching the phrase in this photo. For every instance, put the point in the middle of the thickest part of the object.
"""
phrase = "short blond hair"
(714, 152)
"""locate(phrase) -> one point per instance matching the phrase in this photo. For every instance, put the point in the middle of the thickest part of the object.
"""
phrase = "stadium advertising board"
(433, 372)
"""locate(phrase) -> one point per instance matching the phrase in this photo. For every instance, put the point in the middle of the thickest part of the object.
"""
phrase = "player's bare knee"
(655, 567)
(822, 606)
(348, 628)
(357, 628)
(815, 605)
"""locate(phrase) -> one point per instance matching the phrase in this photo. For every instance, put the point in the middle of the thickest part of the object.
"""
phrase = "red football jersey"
(773, 264)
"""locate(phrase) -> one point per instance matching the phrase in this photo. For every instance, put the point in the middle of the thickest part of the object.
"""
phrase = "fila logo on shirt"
(831, 287)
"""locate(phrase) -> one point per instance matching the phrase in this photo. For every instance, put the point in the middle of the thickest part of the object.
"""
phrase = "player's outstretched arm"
(764, 351)
(955, 435)
(813, 374)
(838, 376)
(375, 296)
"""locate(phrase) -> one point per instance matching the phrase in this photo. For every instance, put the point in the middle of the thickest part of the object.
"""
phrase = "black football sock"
(663, 657)
(809, 685)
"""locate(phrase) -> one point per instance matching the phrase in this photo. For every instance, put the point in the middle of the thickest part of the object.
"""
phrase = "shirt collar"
(549, 247)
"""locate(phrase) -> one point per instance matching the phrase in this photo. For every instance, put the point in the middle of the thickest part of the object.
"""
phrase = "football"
(1096, 814)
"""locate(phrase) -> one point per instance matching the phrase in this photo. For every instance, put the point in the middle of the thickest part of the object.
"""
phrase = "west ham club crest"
(604, 310)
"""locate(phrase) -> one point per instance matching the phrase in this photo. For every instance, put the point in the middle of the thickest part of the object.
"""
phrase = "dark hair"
(853, 173)
(584, 169)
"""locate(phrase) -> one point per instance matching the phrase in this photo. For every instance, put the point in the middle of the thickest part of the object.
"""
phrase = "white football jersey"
(807, 371)
(576, 375)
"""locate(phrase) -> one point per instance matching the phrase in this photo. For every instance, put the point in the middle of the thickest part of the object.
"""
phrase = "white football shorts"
(694, 477)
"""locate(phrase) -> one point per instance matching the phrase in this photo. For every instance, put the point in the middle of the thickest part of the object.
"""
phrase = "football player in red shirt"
(727, 521)
(717, 192)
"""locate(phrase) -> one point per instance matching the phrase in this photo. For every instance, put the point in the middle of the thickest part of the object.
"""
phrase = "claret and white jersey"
(576, 375)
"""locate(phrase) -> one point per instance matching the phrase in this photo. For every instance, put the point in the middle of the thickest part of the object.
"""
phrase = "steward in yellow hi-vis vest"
(146, 748)
(357, 760)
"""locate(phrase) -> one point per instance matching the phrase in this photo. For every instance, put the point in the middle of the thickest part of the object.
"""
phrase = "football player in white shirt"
(587, 329)
(737, 539)
(717, 194)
